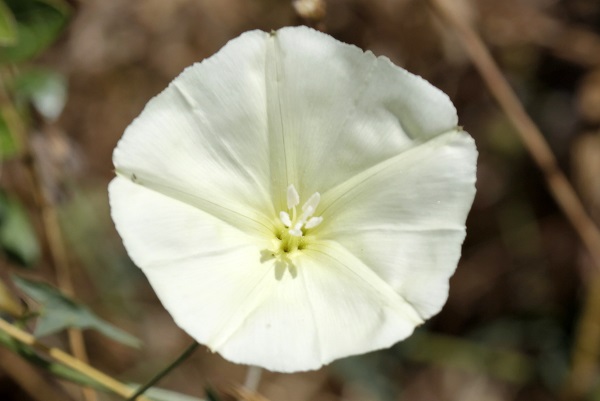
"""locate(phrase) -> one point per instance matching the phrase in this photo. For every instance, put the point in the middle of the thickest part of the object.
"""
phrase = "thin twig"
(587, 348)
(185, 355)
(531, 135)
(38, 386)
(52, 230)
(253, 376)
(60, 356)
(63, 277)
(249, 390)
(570, 42)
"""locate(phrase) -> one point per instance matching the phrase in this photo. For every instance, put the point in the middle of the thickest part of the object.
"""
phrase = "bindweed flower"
(294, 200)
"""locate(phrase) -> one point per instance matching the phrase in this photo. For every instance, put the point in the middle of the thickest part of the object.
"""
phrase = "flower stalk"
(185, 355)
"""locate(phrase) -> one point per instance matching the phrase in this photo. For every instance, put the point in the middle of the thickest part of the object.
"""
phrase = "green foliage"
(8, 145)
(460, 354)
(38, 24)
(9, 303)
(17, 237)
(66, 373)
(156, 378)
(59, 312)
(8, 28)
(45, 89)
(54, 368)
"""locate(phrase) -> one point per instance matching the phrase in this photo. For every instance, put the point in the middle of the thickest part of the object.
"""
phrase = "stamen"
(312, 202)
(307, 213)
(293, 199)
(295, 224)
(296, 232)
(313, 222)
(285, 219)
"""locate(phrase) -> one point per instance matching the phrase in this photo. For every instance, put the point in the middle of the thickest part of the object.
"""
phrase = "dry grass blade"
(587, 347)
(29, 379)
(50, 223)
(68, 360)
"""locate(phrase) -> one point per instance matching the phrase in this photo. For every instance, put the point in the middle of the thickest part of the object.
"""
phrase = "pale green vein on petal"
(246, 220)
(248, 303)
(311, 308)
(189, 99)
(338, 135)
(336, 252)
(390, 228)
(224, 147)
(281, 151)
(196, 255)
(405, 160)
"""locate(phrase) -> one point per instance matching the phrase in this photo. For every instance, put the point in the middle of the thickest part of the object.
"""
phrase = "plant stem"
(186, 354)
(248, 391)
(560, 188)
(587, 344)
(60, 356)
(36, 384)
(51, 226)
(253, 376)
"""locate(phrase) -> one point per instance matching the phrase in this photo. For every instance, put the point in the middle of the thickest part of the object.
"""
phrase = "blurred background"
(522, 310)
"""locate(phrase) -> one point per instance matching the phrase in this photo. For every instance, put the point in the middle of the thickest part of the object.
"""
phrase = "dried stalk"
(36, 385)
(69, 361)
(51, 226)
(587, 346)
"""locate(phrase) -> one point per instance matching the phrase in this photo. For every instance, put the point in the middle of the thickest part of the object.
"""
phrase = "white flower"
(294, 200)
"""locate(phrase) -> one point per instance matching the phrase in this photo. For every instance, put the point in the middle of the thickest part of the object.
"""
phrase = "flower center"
(297, 223)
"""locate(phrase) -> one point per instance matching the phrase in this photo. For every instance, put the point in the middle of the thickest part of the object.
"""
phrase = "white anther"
(312, 202)
(292, 197)
(285, 219)
(307, 213)
(313, 222)
(296, 224)
(295, 232)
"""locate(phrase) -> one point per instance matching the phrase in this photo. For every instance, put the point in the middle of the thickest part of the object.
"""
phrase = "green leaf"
(17, 236)
(38, 25)
(54, 368)
(60, 312)
(8, 28)
(8, 145)
(45, 89)
(9, 302)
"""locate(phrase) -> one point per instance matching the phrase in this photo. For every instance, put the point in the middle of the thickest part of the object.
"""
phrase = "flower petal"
(221, 289)
(204, 271)
(204, 138)
(335, 110)
(404, 218)
(324, 306)
(204, 171)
